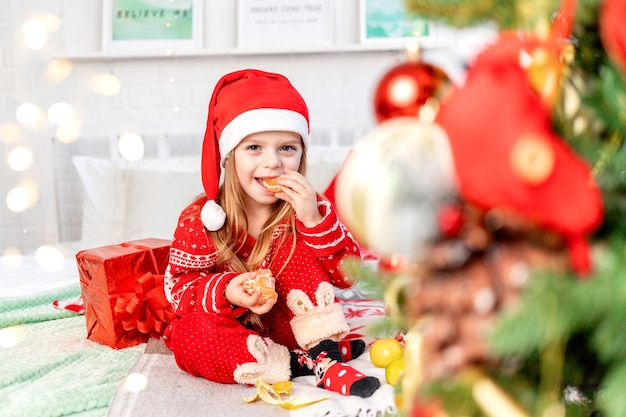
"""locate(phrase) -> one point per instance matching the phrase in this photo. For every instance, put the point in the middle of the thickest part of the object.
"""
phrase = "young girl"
(258, 129)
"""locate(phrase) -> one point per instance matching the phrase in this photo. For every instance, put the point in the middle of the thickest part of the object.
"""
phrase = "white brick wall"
(337, 86)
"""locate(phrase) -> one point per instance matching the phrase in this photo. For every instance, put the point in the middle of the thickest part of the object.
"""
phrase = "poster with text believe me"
(145, 23)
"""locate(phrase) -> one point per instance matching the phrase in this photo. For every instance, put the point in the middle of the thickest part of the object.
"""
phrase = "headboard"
(102, 199)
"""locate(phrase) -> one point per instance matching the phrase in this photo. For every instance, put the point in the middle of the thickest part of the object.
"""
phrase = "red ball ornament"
(613, 30)
(450, 220)
(406, 87)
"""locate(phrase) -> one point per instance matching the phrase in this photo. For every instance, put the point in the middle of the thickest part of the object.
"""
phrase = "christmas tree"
(506, 199)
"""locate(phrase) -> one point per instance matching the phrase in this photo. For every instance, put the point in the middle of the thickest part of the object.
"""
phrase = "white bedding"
(27, 277)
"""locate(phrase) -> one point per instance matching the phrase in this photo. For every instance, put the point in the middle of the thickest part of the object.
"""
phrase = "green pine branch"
(506, 14)
(611, 398)
(586, 318)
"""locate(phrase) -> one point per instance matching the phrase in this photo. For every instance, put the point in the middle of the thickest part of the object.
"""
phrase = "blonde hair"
(232, 236)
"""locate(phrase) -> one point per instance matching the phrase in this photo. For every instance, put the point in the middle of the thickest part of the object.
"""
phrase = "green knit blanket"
(48, 367)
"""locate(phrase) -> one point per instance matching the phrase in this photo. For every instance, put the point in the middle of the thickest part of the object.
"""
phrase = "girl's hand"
(237, 295)
(297, 191)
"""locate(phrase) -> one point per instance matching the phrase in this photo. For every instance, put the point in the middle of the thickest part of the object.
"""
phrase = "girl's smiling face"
(262, 155)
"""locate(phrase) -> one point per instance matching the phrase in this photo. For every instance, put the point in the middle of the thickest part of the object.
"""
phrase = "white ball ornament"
(394, 183)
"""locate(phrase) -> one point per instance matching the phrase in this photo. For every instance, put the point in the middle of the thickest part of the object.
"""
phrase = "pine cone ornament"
(455, 297)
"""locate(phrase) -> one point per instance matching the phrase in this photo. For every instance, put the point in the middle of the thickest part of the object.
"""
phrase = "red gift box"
(122, 288)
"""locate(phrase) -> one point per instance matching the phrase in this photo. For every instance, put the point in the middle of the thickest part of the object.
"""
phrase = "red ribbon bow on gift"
(146, 310)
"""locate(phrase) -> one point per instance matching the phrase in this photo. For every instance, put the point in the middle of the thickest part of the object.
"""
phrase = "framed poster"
(284, 23)
(151, 24)
(389, 21)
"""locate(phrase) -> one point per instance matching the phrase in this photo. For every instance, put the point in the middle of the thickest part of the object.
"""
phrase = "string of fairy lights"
(62, 118)
(59, 118)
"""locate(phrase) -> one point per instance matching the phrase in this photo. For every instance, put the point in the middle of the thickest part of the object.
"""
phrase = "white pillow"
(103, 205)
(155, 199)
(133, 200)
(125, 200)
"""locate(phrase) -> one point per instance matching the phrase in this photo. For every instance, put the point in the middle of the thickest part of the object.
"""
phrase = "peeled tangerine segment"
(271, 184)
(263, 281)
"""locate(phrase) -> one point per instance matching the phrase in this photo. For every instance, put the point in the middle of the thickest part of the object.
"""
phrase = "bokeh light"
(60, 113)
(12, 258)
(68, 132)
(33, 26)
(135, 382)
(131, 146)
(22, 197)
(9, 132)
(51, 23)
(20, 158)
(34, 31)
(108, 84)
(412, 48)
(28, 114)
(18, 200)
(403, 90)
(9, 337)
(36, 40)
(58, 69)
(49, 258)
(580, 125)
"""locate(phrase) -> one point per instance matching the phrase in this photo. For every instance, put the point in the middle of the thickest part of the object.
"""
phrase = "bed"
(49, 368)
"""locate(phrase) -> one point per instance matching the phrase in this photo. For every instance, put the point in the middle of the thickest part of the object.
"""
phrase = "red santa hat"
(245, 102)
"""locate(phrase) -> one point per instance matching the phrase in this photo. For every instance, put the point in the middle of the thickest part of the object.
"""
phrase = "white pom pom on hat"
(212, 215)
(245, 102)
